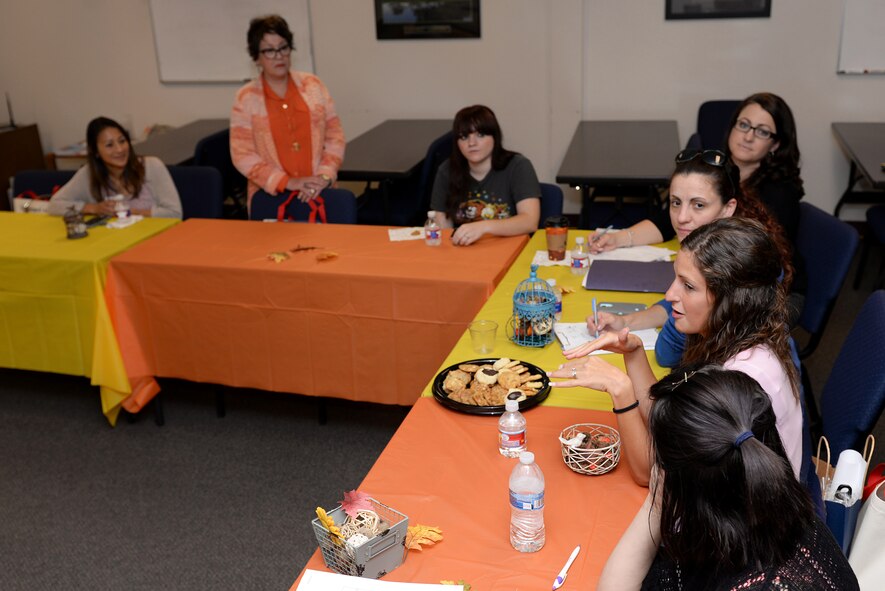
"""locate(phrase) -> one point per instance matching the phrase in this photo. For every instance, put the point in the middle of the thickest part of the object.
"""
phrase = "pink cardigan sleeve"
(332, 140)
(251, 143)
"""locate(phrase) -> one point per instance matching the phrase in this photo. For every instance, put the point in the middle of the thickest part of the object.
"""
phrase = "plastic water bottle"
(431, 230)
(580, 257)
(557, 311)
(527, 505)
(511, 430)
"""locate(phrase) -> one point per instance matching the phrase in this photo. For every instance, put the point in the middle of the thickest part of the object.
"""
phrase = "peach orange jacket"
(251, 141)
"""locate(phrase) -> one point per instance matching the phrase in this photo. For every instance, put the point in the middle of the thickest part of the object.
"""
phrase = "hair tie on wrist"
(627, 408)
(741, 438)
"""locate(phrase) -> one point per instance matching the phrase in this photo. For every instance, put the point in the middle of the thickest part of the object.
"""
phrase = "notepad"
(575, 334)
(654, 277)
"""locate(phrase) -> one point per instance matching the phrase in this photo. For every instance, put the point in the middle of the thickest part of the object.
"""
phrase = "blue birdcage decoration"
(534, 306)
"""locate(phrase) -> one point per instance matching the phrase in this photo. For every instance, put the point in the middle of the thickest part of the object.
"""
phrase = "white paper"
(574, 334)
(315, 580)
(642, 254)
(400, 234)
(124, 222)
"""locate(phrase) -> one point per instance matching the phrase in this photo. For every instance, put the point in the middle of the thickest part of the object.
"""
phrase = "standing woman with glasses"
(284, 132)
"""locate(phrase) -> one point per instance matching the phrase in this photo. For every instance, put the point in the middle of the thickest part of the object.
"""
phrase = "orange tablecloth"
(204, 303)
(443, 469)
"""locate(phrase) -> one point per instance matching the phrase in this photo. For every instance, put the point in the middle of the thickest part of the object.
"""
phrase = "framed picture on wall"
(426, 19)
(681, 9)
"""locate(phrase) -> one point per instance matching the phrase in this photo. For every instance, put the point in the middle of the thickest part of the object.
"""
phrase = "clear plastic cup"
(482, 335)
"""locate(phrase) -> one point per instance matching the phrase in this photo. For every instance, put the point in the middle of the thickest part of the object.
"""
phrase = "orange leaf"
(422, 535)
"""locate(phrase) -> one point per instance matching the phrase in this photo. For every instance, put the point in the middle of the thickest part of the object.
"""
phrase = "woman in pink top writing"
(728, 299)
(284, 132)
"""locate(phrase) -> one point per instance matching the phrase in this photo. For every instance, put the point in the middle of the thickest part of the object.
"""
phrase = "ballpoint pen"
(595, 315)
(601, 233)
(560, 579)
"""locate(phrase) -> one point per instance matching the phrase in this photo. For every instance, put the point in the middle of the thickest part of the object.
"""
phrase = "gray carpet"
(202, 503)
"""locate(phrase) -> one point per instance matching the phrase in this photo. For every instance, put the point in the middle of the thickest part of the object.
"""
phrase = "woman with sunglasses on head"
(724, 510)
(704, 187)
(284, 132)
(729, 299)
(113, 168)
(483, 188)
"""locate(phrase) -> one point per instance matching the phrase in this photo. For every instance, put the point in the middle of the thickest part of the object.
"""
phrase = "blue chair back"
(854, 395)
(551, 202)
(340, 204)
(712, 129)
(827, 245)
(41, 182)
(214, 151)
(199, 188)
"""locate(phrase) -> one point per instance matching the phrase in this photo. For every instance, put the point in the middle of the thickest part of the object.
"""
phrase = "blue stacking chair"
(199, 188)
(214, 151)
(854, 395)
(551, 202)
(340, 204)
(827, 246)
(875, 234)
(712, 129)
(41, 182)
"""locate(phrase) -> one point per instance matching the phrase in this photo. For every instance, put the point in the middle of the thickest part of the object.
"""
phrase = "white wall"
(542, 65)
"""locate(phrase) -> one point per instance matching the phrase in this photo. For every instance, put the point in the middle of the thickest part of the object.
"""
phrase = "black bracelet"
(627, 408)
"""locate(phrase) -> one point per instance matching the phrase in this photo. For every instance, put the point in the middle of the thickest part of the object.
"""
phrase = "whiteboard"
(862, 50)
(205, 40)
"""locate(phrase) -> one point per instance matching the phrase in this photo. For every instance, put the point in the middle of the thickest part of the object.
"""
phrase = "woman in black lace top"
(724, 510)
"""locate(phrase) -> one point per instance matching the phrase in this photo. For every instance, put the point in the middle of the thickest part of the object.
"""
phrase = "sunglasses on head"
(711, 157)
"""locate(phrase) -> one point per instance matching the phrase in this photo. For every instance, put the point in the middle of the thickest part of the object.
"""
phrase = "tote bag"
(867, 558)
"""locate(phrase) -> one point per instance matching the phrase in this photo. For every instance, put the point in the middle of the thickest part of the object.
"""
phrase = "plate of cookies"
(480, 386)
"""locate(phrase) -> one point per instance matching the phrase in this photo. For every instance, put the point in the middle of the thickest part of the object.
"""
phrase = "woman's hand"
(470, 233)
(593, 372)
(106, 208)
(604, 242)
(308, 187)
(607, 321)
(621, 341)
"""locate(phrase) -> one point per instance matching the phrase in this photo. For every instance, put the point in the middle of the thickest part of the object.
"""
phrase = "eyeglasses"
(711, 157)
(275, 52)
(762, 133)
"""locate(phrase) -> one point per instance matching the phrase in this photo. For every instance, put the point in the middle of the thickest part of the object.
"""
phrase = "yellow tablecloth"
(53, 315)
(575, 308)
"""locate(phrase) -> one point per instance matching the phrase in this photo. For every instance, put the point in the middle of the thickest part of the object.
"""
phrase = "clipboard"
(654, 277)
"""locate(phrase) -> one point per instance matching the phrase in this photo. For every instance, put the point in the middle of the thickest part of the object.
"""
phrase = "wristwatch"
(328, 180)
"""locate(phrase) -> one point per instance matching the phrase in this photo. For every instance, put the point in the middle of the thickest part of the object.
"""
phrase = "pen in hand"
(560, 579)
(595, 316)
(601, 233)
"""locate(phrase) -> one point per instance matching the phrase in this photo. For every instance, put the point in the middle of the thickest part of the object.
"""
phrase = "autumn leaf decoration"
(354, 502)
(329, 524)
(422, 535)
(460, 582)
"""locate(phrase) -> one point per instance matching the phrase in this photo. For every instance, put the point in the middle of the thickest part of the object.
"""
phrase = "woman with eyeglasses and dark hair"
(724, 510)
(704, 187)
(483, 188)
(729, 300)
(284, 132)
(113, 168)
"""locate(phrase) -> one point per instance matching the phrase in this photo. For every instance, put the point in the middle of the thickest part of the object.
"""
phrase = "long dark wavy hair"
(727, 184)
(724, 507)
(742, 269)
(481, 119)
(783, 163)
(99, 175)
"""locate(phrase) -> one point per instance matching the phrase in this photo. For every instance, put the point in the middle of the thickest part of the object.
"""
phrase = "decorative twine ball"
(354, 542)
(365, 523)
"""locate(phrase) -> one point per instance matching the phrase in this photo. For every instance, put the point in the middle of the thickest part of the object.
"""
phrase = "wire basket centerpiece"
(369, 544)
(590, 448)
(534, 306)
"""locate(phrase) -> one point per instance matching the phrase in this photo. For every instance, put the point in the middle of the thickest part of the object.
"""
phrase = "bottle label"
(557, 308)
(431, 234)
(511, 440)
(527, 502)
(578, 263)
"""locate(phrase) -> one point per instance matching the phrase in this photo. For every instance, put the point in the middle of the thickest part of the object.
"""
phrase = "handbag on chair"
(317, 208)
(867, 557)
